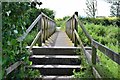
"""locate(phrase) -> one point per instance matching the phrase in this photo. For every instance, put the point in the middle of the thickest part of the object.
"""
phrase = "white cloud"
(68, 7)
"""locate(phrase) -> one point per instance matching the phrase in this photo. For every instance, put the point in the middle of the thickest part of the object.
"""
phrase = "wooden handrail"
(91, 59)
(88, 57)
(30, 28)
(108, 52)
(47, 16)
(13, 67)
(32, 25)
(35, 40)
(48, 24)
(83, 28)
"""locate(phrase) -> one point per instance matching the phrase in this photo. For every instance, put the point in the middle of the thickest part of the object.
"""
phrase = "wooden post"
(71, 29)
(44, 29)
(76, 28)
(47, 29)
(39, 28)
(94, 54)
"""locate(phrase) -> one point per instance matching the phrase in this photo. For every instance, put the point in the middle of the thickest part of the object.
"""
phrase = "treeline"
(104, 21)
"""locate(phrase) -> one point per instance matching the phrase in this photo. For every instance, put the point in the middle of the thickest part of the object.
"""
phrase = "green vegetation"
(86, 70)
(105, 21)
(108, 36)
(106, 32)
(16, 18)
(61, 22)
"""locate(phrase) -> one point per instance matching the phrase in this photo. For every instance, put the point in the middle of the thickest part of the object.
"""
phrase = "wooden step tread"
(52, 47)
(56, 77)
(55, 56)
(55, 66)
(87, 48)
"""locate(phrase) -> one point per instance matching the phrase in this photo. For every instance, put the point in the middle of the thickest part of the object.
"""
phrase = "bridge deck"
(59, 39)
(63, 40)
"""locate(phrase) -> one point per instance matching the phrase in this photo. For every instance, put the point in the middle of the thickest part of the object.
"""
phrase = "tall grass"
(108, 36)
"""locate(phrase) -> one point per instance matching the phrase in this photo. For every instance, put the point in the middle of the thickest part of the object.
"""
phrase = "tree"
(16, 18)
(34, 3)
(48, 12)
(91, 8)
(115, 7)
(66, 17)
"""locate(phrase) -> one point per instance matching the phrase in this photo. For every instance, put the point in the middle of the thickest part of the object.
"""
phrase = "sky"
(68, 7)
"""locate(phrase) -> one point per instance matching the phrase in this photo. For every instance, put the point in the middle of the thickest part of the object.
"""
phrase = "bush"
(103, 21)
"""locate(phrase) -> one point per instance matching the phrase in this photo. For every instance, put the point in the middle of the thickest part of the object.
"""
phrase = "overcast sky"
(68, 7)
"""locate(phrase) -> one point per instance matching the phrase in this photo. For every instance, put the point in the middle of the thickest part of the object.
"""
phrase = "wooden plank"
(76, 28)
(87, 55)
(35, 40)
(83, 28)
(89, 58)
(63, 40)
(13, 67)
(94, 55)
(95, 73)
(55, 66)
(39, 28)
(111, 54)
(29, 29)
(47, 17)
(108, 52)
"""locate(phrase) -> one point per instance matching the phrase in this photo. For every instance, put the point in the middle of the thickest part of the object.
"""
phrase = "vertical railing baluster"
(76, 28)
(47, 29)
(39, 28)
(94, 54)
(72, 28)
(43, 29)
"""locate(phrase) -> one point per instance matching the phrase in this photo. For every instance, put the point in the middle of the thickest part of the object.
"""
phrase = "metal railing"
(47, 27)
(72, 32)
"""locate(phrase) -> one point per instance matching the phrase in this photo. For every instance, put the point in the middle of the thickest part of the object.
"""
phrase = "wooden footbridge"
(56, 56)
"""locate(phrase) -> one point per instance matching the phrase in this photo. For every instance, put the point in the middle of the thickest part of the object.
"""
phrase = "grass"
(86, 70)
(107, 67)
(108, 36)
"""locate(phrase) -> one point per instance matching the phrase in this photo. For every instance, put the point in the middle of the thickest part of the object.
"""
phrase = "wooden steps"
(57, 77)
(58, 70)
(55, 61)
(56, 50)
